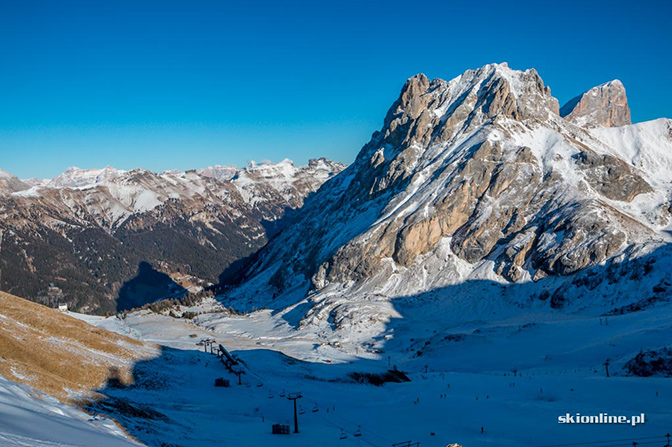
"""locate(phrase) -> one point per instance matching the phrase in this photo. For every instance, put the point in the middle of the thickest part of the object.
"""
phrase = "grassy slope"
(60, 355)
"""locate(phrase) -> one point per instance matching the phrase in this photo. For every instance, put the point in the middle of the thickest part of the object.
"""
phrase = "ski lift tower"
(294, 397)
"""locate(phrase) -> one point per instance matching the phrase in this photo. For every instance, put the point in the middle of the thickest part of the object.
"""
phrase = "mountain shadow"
(172, 401)
(149, 285)
(620, 286)
(479, 326)
(236, 272)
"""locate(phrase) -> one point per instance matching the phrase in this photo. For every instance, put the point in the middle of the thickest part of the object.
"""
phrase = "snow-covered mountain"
(480, 179)
(76, 178)
(496, 263)
(265, 182)
(82, 236)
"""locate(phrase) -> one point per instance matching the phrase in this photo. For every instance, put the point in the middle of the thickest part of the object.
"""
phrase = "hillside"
(50, 365)
(60, 355)
(104, 240)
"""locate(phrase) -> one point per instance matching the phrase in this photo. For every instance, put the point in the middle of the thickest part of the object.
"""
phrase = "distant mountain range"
(102, 240)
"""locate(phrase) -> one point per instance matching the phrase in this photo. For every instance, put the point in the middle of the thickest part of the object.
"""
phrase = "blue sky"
(181, 85)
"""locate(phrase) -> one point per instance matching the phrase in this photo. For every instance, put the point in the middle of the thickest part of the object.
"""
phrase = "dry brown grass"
(61, 355)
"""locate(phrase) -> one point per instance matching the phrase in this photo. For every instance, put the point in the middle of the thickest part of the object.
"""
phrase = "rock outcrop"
(605, 105)
(651, 363)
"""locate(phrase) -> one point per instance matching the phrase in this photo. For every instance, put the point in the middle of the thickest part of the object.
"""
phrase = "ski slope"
(32, 419)
(558, 361)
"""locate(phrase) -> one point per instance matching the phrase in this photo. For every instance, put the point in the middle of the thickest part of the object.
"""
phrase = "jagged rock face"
(604, 105)
(611, 177)
(477, 174)
(87, 232)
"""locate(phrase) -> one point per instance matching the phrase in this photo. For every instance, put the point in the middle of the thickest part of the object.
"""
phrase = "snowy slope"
(50, 363)
(33, 419)
(647, 146)
(469, 349)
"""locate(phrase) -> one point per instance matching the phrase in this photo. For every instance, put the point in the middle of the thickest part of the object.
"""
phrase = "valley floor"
(558, 361)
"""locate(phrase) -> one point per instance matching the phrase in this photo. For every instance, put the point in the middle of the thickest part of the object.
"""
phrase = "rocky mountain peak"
(605, 105)
(75, 177)
(322, 163)
(219, 172)
(10, 183)
(437, 112)
(491, 90)
(477, 176)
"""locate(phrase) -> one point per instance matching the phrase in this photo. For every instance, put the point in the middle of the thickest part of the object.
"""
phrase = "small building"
(62, 307)
(221, 381)
(280, 429)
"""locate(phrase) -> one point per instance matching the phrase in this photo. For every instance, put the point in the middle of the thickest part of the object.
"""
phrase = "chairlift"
(259, 385)
(315, 410)
(270, 394)
(343, 434)
(283, 393)
(358, 433)
(301, 410)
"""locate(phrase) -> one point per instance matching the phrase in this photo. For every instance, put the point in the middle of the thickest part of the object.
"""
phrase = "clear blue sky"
(182, 85)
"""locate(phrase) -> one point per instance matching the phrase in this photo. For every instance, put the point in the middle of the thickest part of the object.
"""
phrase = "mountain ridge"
(478, 177)
(79, 238)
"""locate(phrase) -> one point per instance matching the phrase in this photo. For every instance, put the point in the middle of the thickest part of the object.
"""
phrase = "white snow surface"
(647, 146)
(469, 349)
(32, 419)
